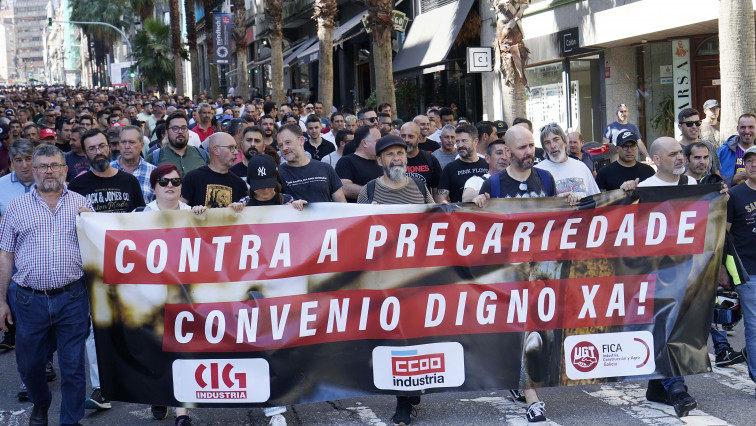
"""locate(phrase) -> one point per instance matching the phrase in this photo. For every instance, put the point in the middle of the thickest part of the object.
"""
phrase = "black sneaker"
(9, 342)
(516, 395)
(23, 394)
(183, 421)
(537, 412)
(159, 412)
(681, 400)
(414, 400)
(656, 392)
(50, 372)
(97, 401)
(727, 357)
(404, 413)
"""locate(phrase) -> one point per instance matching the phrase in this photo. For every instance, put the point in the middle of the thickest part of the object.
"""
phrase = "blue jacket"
(728, 155)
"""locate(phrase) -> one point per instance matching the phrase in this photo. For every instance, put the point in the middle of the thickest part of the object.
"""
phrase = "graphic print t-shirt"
(120, 193)
(204, 187)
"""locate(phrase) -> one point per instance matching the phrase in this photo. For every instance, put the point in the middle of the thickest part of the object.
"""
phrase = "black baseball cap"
(626, 136)
(4, 129)
(261, 172)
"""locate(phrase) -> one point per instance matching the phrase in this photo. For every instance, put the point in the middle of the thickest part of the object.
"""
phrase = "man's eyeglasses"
(177, 129)
(176, 182)
(692, 123)
(371, 119)
(629, 146)
(160, 105)
(55, 167)
(101, 147)
(232, 148)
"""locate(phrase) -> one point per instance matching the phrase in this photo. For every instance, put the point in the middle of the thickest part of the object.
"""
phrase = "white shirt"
(435, 136)
(655, 181)
(571, 176)
(476, 182)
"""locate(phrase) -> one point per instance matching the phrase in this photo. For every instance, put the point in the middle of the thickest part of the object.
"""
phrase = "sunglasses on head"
(173, 181)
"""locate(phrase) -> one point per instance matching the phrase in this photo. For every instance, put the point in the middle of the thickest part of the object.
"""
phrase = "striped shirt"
(45, 244)
(142, 173)
(407, 194)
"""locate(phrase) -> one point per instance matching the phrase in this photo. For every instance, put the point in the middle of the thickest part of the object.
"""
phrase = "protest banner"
(274, 306)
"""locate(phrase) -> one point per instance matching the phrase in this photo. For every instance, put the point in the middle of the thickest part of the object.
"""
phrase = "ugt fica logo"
(419, 367)
(585, 357)
(221, 380)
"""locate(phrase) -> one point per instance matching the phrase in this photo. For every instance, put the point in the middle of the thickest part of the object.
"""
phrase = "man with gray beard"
(395, 187)
(667, 154)
(572, 177)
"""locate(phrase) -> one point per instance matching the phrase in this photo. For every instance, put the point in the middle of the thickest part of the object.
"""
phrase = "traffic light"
(49, 23)
(249, 71)
(132, 74)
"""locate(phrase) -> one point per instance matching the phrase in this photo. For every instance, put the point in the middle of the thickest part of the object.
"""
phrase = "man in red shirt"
(204, 128)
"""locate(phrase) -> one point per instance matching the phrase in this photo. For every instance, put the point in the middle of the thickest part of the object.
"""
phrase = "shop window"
(709, 48)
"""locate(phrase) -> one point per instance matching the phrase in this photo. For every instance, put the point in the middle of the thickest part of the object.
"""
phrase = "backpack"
(542, 174)
(371, 188)
(202, 152)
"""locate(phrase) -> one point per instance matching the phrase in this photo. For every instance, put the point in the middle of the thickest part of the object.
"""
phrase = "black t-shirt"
(510, 188)
(321, 151)
(425, 167)
(613, 175)
(65, 147)
(120, 193)
(456, 173)
(205, 187)
(357, 169)
(742, 215)
(239, 169)
(314, 182)
(429, 145)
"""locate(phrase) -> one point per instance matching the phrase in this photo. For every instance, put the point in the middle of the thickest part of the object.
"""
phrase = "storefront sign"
(222, 38)
(681, 76)
(665, 74)
(399, 19)
(480, 59)
(569, 42)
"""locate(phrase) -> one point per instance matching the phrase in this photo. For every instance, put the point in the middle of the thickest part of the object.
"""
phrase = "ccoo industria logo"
(434, 365)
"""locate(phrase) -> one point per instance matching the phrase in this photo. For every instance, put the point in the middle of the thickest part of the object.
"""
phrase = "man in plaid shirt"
(48, 292)
(130, 160)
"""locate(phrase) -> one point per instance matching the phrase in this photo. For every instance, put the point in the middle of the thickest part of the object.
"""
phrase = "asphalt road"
(725, 396)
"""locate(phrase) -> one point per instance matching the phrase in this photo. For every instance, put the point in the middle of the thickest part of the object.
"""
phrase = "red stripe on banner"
(383, 242)
(410, 312)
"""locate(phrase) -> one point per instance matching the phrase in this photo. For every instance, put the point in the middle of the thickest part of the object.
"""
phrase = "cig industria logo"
(221, 380)
(434, 365)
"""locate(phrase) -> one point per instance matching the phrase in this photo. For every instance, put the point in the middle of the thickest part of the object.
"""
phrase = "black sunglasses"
(692, 123)
(176, 182)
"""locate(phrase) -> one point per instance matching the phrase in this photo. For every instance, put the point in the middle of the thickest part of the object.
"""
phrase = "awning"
(339, 33)
(269, 58)
(299, 49)
(431, 36)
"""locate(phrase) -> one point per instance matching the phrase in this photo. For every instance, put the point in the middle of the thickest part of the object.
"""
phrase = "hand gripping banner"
(274, 306)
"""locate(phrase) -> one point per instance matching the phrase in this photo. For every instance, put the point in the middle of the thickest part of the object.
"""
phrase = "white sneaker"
(277, 420)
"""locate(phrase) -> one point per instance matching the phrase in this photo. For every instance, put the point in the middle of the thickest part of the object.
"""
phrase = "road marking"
(514, 413)
(631, 398)
(366, 415)
(13, 418)
(734, 376)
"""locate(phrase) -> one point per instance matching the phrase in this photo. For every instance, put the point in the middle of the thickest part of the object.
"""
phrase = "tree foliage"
(153, 54)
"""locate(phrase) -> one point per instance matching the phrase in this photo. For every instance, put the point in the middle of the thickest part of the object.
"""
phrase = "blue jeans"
(42, 320)
(667, 383)
(747, 293)
(719, 340)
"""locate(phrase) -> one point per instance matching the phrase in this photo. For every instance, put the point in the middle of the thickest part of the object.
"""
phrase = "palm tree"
(108, 11)
(240, 40)
(209, 5)
(178, 49)
(275, 23)
(153, 54)
(325, 15)
(191, 38)
(511, 55)
(737, 63)
(143, 8)
(379, 18)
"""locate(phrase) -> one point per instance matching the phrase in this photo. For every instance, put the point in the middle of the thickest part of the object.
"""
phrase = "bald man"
(667, 154)
(420, 164)
(213, 185)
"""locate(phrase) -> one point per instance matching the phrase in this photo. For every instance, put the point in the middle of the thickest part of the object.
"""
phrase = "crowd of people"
(65, 151)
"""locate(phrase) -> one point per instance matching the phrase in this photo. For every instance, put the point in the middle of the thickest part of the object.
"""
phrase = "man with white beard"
(667, 154)
(570, 175)
(394, 186)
